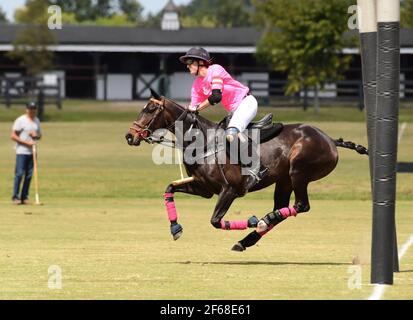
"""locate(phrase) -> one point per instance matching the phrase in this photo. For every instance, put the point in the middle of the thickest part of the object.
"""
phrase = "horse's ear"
(155, 94)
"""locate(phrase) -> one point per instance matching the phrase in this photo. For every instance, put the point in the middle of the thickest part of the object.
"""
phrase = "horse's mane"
(199, 117)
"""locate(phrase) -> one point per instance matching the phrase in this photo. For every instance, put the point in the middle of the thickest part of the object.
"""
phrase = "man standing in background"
(25, 131)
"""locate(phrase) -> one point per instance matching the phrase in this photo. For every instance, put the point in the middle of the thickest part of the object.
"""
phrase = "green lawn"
(104, 224)
(122, 249)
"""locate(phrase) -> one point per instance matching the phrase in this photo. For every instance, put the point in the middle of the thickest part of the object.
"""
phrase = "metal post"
(163, 83)
(40, 102)
(96, 70)
(305, 104)
(59, 93)
(105, 82)
(7, 93)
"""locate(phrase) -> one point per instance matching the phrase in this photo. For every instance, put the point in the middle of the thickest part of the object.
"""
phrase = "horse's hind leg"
(226, 198)
(302, 204)
(282, 195)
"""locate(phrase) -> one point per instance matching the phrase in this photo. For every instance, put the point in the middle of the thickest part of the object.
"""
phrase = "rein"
(147, 135)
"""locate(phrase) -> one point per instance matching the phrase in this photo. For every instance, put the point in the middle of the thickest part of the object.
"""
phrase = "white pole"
(388, 11)
(366, 16)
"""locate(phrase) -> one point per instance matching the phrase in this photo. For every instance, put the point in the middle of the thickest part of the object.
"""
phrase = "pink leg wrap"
(288, 212)
(285, 212)
(170, 206)
(234, 225)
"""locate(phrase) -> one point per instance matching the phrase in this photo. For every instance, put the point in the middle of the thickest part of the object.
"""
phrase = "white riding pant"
(244, 113)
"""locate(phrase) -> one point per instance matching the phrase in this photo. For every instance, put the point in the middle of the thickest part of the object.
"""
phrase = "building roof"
(170, 7)
(80, 34)
(129, 39)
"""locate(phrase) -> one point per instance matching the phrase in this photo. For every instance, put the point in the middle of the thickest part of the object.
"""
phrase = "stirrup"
(254, 178)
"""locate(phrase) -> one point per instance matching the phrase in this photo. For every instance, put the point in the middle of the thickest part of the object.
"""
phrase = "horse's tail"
(351, 145)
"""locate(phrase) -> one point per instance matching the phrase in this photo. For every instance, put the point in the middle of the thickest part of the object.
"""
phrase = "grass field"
(104, 223)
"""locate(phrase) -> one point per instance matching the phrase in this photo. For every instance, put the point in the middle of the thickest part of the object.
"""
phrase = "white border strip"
(406, 247)
(380, 288)
(378, 292)
(402, 129)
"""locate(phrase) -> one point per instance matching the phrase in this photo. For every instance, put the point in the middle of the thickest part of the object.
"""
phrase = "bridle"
(146, 132)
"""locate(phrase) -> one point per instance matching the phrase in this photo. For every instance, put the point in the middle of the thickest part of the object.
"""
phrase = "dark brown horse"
(298, 155)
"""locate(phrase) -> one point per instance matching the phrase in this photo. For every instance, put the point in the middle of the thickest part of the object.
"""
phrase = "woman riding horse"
(298, 155)
(213, 84)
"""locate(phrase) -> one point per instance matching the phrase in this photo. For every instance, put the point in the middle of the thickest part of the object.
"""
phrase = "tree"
(102, 12)
(103, 9)
(407, 14)
(31, 43)
(87, 10)
(114, 20)
(304, 39)
(132, 9)
(153, 20)
(3, 17)
(216, 13)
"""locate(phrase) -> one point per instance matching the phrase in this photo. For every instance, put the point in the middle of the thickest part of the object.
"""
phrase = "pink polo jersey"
(233, 92)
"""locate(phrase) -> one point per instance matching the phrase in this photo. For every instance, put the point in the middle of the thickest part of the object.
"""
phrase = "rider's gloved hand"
(193, 108)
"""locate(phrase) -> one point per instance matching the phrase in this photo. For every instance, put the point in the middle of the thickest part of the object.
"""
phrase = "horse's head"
(149, 119)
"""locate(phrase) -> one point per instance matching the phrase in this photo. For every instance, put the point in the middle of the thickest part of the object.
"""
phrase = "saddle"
(268, 129)
(264, 122)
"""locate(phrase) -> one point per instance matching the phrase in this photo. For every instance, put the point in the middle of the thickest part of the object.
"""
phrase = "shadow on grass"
(268, 263)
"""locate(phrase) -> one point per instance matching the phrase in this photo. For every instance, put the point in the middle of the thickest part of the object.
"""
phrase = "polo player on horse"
(212, 85)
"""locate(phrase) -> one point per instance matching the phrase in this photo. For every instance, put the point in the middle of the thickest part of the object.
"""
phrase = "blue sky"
(150, 5)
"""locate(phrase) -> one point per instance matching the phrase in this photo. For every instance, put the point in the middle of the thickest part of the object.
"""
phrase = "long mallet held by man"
(36, 179)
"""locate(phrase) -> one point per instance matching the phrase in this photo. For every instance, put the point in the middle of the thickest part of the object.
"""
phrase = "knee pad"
(231, 134)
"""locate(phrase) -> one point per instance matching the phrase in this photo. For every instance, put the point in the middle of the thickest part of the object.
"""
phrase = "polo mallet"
(182, 180)
(36, 182)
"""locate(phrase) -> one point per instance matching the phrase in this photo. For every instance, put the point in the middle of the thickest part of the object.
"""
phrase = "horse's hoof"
(176, 231)
(262, 226)
(238, 247)
(176, 236)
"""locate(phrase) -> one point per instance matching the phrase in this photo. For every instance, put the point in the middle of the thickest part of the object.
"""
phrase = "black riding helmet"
(31, 105)
(196, 53)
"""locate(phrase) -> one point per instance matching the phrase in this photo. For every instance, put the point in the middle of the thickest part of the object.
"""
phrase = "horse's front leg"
(226, 197)
(190, 188)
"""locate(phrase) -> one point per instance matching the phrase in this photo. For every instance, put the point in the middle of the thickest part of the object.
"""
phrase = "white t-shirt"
(23, 126)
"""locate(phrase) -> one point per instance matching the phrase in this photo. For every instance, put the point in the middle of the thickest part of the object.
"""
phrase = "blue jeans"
(24, 167)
